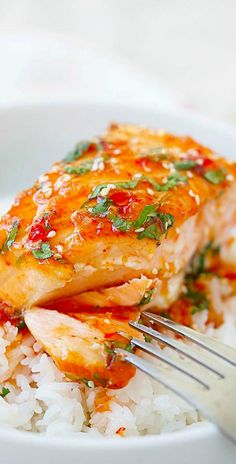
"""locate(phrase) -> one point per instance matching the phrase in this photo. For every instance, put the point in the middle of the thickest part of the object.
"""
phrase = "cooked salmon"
(106, 232)
(127, 210)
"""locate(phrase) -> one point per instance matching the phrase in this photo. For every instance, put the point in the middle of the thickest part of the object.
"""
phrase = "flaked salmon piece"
(83, 346)
(132, 203)
(142, 292)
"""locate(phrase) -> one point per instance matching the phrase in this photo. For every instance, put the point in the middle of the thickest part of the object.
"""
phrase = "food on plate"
(134, 219)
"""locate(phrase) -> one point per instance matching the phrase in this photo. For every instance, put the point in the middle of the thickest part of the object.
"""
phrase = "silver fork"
(209, 384)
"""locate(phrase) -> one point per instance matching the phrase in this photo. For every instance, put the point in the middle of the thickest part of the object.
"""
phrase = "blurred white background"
(140, 52)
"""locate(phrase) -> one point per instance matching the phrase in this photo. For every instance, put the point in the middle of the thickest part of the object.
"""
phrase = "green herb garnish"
(123, 185)
(160, 224)
(44, 252)
(156, 153)
(80, 149)
(11, 237)
(102, 381)
(198, 265)
(146, 297)
(185, 164)
(147, 212)
(198, 299)
(152, 232)
(22, 325)
(120, 223)
(4, 392)
(215, 176)
(83, 168)
(101, 208)
(172, 180)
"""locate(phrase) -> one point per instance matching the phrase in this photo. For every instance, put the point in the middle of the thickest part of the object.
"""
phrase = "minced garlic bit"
(168, 165)
(150, 191)
(229, 177)
(43, 178)
(137, 175)
(113, 161)
(104, 192)
(60, 181)
(141, 229)
(195, 196)
(199, 161)
(51, 234)
(59, 248)
(197, 199)
(98, 164)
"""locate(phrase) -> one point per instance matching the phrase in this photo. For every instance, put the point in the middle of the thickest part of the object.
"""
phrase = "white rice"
(42, 400)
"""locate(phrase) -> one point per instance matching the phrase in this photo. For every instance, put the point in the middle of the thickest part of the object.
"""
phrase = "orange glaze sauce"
(62, 194)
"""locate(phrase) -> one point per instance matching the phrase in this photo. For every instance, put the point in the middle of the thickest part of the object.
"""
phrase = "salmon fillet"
(106, 232)
(121, 216)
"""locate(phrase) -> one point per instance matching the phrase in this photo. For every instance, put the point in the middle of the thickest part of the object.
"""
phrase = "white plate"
(31, 138)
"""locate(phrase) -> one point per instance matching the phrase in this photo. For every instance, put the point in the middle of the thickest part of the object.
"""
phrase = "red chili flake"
(120, 198)
(110, 335)
(123, 200)
(230, 275)
(38, 231)
(142, 162)
(201, 168)
(207, 162)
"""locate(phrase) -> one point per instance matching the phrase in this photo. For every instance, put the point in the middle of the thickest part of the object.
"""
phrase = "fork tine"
(163, 357)
(224, 352)
(170, 379)
(180, 347)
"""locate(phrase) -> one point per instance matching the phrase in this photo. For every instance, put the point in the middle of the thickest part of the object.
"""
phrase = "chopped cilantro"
(123, 185)
(130, 184)
(147, 338)
(157, 153)
(146, 213)
(44, 252)
(85, 381)
(11, 237)
(146, 297)
(4, 392)
(21, 325)
(83, 168)
(95, 193)
(123, 346)
(109, 349)
(198, 265)
(80, 149)
(185, 164)
(102, 381)
(215, 176)
(101, 208)
(152, 232)
(120, 223)
(198, 299)
(172, 180)
(165, 314)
